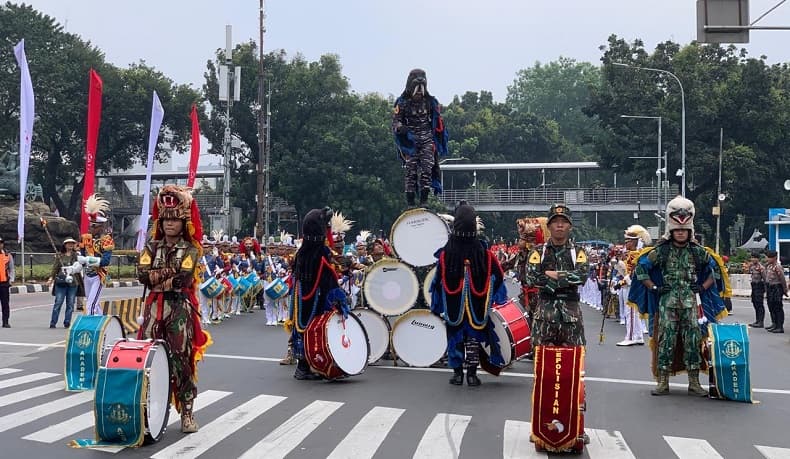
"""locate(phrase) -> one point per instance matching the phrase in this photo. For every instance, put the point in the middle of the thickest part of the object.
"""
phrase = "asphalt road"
(391, 412)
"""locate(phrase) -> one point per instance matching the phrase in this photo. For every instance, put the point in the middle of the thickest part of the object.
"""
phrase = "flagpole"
(23, 259)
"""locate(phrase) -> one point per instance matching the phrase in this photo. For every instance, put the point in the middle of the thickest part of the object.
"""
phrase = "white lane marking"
(365, 438)
(214, 432)
(45, 409)
(289, 434)
(8, 371)
(771, 452)
(26, 379)
(443, 437)
(33, 392)
(84, 421)
(607, 444)
(516, 444)
(692, 448)
(60, 343)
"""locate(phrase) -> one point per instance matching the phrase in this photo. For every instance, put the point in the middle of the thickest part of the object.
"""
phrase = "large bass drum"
(335, 346)
(419, 338)
(378, 331)
(391, 287)
(417, 234)
(88, 337)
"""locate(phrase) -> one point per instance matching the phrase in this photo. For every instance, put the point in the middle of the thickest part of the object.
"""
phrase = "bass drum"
(419, 338)
(335, 346)
(86, 346)
(391, 287)
(417, 234)
(426, 286)
(378, 331)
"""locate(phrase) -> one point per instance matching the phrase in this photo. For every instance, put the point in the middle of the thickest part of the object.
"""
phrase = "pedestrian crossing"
(445, 436)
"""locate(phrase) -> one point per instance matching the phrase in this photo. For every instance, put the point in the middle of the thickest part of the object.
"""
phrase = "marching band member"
(315, 285)
(636, 239)
(167, 267)
(97, 244)
(212, 264)
(468, 281)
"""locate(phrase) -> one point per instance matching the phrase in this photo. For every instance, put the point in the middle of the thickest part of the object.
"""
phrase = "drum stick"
(601, 334)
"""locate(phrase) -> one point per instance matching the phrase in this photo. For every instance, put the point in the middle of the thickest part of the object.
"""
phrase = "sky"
(464, 45)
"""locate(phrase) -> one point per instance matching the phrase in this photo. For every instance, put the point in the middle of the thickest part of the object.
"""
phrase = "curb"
(38, 288)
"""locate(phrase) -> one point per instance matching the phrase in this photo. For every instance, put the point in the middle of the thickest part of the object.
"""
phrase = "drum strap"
(573, 254)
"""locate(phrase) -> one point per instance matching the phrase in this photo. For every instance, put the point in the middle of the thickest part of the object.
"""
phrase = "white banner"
(157, 113)
(26, 115)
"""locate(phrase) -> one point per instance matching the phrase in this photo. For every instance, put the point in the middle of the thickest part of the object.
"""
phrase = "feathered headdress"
(217, 235)
(97, 208)
(362, 237)
(286, 238)
(176, 202)
(639, 233)
(339, 225)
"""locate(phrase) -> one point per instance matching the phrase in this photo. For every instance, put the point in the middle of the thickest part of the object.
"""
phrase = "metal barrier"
(48, 258)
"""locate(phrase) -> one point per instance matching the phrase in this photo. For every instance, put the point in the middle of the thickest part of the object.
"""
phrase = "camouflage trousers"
(176, 329)
(675, 324)
(419, 167)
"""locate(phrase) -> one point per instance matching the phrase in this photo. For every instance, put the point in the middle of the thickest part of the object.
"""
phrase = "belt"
(571, 296)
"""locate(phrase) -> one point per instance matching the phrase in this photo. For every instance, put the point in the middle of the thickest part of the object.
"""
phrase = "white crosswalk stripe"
(516, 444)
(8, 371)
(692, 448)
(773, 453)
(19, 380)
(285, 438)
(607, 444)
(27, 394)
(603, 444)
(443, 437)
(37, 412)
(365, 438)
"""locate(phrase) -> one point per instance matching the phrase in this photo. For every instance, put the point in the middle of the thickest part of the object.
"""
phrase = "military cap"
(559, 210)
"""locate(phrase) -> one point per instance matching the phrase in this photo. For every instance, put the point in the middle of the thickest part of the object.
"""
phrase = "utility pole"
(262, 167)
(719, 196)
(229, 90)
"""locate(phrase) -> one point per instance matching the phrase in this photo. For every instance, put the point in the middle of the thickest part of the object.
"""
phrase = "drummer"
(167, 268)
(316, 288)
(464, 277)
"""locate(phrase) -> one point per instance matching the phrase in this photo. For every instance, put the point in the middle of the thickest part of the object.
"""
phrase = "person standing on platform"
(420, 136)
(98, 246)
(776, 288)
(757, 274)
(7, 277)
(557, 268)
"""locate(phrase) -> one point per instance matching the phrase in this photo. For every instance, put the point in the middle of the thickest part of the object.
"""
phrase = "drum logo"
(732, 349)
(345, 341)
(84, 340)
(386, 270)
(417, 323)
(417, 221)
(118, 414)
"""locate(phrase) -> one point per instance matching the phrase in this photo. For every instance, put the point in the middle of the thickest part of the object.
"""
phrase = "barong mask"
(416, 84)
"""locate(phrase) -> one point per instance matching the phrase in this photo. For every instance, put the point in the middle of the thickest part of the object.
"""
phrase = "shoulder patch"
(581, 257)
(534, 258)
(187, 263)
(145, 258)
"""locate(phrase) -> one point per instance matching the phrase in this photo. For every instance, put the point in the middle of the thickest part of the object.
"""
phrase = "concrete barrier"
(127, 309)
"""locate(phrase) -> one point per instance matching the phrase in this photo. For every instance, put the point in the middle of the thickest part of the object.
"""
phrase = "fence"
(46, 259)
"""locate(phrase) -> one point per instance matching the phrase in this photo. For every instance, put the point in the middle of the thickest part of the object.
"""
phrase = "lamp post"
(658, 158)
(682, 119)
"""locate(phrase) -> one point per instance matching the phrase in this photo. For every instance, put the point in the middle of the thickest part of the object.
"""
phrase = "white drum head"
(419, 338)
(112, 332)
(417, 234)
(158, 408)
(378, 331)
(426, 286)
(347, 343)
(391, 287)
(505, 344)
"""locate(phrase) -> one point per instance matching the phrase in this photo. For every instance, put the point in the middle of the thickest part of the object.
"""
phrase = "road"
(390, 412)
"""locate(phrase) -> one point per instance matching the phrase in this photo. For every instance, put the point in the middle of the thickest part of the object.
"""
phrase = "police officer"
(776, 287)
(757, 274)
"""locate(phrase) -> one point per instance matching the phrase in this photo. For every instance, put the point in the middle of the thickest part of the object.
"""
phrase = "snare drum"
(512, 329)
(378, 331)
(276, 289)
(255, 283)
(335, 346)
(87, 338)
(419, 338)
(211, 288)
(391, 287)
(426, 287)
(417, 234)
(132, 401)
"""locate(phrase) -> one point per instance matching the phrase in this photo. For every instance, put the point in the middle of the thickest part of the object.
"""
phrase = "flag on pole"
(94, 119)
(26, 116)
(195, 152)
(157, 114)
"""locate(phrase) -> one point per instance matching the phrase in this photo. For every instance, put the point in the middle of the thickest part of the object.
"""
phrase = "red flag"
(94, 119)
(195, 152)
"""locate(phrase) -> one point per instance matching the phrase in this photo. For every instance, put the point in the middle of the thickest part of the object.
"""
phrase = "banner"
(194, 154)
(26, 116)
(157, 113)
(94, 119)
(729, 353)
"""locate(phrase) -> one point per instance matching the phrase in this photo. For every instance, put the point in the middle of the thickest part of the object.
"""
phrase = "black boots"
(424, 193)
(458, 377)
(756, 325)
(471, 377)
(303, 371)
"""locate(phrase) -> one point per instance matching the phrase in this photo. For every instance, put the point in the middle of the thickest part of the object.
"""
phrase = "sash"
(729, 353)
(557, 397)
(83, 351)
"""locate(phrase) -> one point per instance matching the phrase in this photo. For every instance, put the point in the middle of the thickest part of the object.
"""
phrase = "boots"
(694, 386)
(756, 324)
(289, 357)
(663, 384)
(188, 424)
(471, 377)
(458, 376)
(410, 198)
(424, 193)
(303, 371)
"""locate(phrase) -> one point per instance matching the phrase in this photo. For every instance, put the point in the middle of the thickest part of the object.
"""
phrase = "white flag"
(157, 113)
(26, 115)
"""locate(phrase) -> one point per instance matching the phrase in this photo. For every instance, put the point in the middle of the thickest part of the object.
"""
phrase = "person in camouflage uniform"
(557, 268)
(675, 273)
(167, 268)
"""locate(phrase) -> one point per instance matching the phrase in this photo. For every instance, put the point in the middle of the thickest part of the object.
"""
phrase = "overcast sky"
(464, 45)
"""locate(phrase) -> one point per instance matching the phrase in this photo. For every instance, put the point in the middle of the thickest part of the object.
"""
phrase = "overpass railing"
(548, 196)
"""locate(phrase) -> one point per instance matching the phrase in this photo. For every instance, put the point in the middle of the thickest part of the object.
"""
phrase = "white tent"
(755, 242)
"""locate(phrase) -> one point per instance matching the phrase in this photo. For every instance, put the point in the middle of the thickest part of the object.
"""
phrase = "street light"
(658, 157)
(682, 171)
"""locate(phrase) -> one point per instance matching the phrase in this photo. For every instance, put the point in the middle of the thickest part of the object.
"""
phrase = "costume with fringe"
(99, 246)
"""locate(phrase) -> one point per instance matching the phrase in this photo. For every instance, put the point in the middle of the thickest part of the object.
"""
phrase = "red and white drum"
(151, 359)
(417, 234)
(378, 331)
(391, 287)
(336, 347)
(419, 338)
(512, 329)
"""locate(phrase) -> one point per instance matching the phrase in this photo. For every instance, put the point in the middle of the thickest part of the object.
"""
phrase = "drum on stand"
(512, 328)
(391, 287)
(419, 338)
(417, 234)
(426, 286)
(132, 402)
(336, 347)
(88, 336)
(378, 330)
